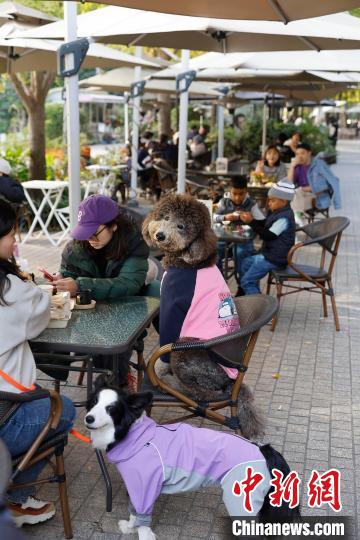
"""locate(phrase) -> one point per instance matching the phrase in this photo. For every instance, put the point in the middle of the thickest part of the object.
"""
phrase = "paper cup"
(47, 289)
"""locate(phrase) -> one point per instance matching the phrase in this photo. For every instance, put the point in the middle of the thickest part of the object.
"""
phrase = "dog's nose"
(89, 419)
(160, 236)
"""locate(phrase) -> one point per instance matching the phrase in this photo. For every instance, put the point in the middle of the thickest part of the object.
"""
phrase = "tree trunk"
(37, 169)
(33, 93)
(164, 115)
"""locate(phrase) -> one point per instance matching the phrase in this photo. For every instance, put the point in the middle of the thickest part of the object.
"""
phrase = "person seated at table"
(316, 185)
(24, 314)
(145, 161)
(107, 254)
(278, 233)
(291, 145)
(10, 189)
(271, 166)
(229, 209)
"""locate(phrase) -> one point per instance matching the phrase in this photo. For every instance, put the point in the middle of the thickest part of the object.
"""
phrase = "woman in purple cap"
(107, 255)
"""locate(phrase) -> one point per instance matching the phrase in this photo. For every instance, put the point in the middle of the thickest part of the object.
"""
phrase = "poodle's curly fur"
(180, 226)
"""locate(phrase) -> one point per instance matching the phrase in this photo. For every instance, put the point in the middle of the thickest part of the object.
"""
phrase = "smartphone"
(47, 274)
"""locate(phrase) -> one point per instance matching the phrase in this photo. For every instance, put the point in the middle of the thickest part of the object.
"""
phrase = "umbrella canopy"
(17, 55)
(331, 60)
(300, 91)
(129, 27)
(15, 17)
(280, 10)
(119, 80)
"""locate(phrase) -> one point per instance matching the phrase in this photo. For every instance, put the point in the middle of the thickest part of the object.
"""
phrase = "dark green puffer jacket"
(123, 277)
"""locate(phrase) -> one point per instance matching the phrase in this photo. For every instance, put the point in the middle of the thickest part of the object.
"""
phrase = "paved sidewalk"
(312, 408)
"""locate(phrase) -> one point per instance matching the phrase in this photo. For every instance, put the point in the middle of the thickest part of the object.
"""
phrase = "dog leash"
(22, 388)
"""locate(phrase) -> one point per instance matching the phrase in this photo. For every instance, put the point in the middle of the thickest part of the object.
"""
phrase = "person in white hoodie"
(24, 314)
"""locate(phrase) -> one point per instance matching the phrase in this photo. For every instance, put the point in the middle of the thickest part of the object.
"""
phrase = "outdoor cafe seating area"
(180, 250)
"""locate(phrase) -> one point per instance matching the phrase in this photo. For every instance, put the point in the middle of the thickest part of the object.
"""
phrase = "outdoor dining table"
(111, 328)
(230, 237)
(52, 191)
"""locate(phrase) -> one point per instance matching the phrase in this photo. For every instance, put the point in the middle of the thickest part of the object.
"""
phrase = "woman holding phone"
(24, 314)
(108, 258)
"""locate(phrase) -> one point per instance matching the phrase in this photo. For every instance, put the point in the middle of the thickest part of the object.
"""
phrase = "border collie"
(175, 458)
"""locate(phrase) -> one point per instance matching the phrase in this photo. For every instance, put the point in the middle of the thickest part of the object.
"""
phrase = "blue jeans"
(20, 431)
(240, 252)
(252, 270)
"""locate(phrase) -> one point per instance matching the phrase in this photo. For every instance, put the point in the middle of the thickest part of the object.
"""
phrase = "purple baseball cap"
(93, 212)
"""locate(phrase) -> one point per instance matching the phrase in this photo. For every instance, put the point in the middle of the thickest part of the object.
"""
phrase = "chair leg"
(278, 295)
(64, 501)
(268, 286)
(323, 294)
(107, 480)
(334, 308)
(81, 374)
(140, 373)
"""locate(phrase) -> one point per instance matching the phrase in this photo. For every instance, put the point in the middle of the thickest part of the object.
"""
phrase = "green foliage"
(53, 120)
(251, 135)
(231, 140)
(18, 159)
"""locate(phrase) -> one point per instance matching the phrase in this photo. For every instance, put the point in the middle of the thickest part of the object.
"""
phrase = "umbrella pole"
(264, 127)
(184, 103)
(126, 117)
(72, 118)
(220, 119)
(135, 128)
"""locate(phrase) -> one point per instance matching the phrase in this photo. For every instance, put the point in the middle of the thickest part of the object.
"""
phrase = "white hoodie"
(25, 317)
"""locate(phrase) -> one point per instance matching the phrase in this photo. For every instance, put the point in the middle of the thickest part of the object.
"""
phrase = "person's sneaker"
(32, 511)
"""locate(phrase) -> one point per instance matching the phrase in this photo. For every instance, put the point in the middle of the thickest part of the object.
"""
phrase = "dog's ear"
(104, 381)
(201, 249)
(145, 228)
(139, 402)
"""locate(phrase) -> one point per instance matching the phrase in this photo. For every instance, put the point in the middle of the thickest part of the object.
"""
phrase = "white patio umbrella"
(329, 60)
(121, 25)
(120, 80)
(20, 54)
(272, 10)
(130, 26)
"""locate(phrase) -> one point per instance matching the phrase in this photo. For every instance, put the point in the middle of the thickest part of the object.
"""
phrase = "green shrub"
(53, 121)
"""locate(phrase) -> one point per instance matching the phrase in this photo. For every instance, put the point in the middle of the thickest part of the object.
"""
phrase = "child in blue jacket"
(278, 233)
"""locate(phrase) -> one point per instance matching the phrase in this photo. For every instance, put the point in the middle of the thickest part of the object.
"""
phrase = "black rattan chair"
(44, 447)
(236, 348)
(327, 233)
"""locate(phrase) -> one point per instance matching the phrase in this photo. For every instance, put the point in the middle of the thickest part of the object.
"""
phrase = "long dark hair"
(7, 267)
(118, 245)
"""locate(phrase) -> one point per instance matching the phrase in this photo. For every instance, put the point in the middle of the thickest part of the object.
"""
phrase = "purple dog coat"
(175, 458)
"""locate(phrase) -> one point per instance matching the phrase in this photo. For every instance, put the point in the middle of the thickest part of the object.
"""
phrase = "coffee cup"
(83, 297)
(47, 288)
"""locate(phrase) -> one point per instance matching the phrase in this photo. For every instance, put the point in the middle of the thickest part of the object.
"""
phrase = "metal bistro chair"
(44, 447)
(235, 349)
(327, 233)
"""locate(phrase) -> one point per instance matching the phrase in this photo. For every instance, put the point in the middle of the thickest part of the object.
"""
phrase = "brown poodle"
(195, 304)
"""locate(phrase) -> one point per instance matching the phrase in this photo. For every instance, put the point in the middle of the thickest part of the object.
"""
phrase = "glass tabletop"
(110, 328)
(226, 234)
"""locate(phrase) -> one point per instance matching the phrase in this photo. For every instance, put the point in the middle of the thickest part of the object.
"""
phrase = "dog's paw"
(126, 527)
(145, 533)
(162, 369)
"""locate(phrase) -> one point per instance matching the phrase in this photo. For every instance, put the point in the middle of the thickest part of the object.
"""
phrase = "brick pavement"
(312, 409)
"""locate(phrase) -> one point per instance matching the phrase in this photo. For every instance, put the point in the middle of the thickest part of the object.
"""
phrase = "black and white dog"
(174, 458)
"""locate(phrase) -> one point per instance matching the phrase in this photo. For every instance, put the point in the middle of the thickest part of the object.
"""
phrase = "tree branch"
(48, 79)
(22, 91)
